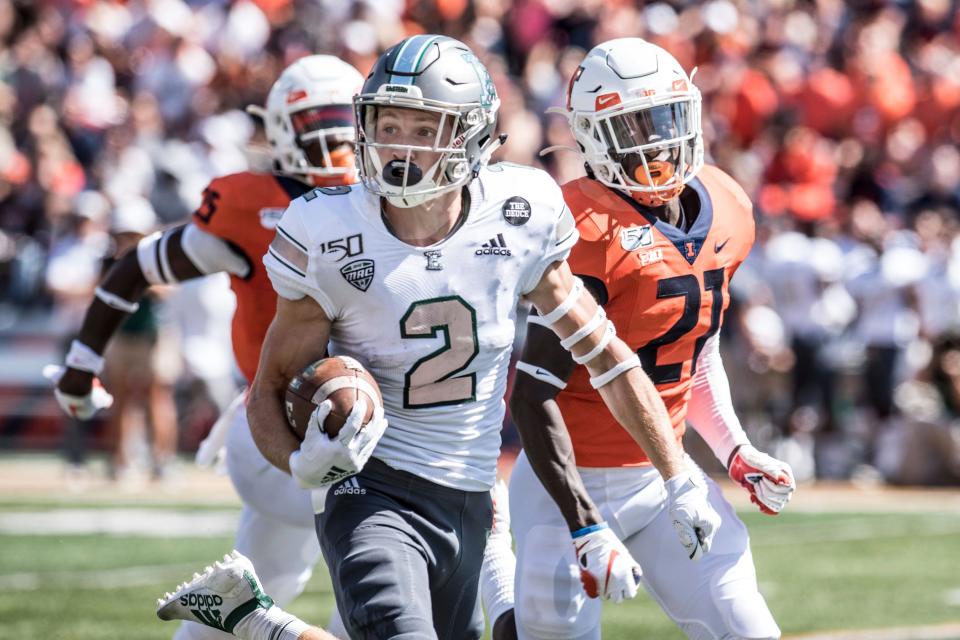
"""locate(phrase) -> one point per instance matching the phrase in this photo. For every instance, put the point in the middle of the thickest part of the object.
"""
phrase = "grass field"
(821, 570)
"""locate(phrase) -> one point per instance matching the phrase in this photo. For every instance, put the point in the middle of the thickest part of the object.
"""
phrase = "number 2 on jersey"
(687, 286)
(433, 381)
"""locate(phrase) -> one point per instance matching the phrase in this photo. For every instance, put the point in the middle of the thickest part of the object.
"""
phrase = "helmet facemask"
(649, 148)
(428, 159)
(324, 139)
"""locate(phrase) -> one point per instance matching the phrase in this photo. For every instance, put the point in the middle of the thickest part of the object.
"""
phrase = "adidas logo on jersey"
(351, 487)
(493, 247)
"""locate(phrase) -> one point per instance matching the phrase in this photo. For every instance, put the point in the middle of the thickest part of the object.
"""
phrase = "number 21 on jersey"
(688, 287)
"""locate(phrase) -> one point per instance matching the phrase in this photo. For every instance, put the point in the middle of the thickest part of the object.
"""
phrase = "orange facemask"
(660, 173)
(342, 157)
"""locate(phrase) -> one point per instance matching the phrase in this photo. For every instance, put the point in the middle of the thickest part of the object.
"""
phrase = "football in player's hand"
(341, 379)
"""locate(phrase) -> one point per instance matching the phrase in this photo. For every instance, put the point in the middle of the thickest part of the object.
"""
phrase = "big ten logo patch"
(649, 257)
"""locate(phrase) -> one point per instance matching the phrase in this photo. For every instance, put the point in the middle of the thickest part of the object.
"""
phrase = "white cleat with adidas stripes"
(223, 595)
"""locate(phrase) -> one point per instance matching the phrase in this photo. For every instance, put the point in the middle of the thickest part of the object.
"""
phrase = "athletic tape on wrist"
(598, 381)
(114, 301)
(84, 358)
(565, 306)
(541, 374)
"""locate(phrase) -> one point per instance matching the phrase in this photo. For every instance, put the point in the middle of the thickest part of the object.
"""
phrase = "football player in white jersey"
(397, 274)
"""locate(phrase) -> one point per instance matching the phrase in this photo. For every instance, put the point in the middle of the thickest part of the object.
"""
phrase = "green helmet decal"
(488, 91)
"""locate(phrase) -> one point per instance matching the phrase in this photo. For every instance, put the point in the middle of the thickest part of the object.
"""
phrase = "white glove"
(607, 570)
(693, 517)
(322, 460)
(81, 407)
(768, 481)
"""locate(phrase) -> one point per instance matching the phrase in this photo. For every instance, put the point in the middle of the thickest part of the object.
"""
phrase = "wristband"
(83, 358)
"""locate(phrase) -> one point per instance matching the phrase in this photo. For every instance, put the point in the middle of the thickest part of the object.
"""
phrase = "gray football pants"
(404, 555)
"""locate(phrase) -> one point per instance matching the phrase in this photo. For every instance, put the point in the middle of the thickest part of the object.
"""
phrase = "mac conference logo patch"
(516, 211)
(358, 273)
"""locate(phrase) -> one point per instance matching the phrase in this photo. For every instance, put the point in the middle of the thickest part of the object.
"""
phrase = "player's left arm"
(710, 411)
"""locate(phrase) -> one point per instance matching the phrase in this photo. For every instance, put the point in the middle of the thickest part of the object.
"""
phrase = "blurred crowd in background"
(841, 120)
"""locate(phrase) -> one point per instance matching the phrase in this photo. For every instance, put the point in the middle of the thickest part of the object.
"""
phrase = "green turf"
(818, 572)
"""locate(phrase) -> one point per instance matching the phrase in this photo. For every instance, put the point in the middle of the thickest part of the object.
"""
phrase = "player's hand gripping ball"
(343, 381)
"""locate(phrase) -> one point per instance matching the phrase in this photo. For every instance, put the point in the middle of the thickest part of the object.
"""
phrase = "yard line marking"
(154, 523)
(101, 579)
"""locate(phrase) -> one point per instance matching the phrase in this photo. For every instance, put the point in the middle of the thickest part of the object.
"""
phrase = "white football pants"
(276, 529)
(713, 598)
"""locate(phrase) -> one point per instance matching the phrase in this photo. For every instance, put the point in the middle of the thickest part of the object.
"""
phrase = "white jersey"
(434, 325)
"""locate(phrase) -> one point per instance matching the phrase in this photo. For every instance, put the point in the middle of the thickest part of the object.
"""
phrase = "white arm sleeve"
(710, 410)
(211, 254)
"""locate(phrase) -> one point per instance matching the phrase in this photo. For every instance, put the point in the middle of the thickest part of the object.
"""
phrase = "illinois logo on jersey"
(633, 238)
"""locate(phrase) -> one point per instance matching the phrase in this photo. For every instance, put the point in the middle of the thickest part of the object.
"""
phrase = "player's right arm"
(176, 254)
(297, 337)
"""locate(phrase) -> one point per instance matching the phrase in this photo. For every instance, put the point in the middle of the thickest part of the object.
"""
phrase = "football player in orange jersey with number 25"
(661, 234)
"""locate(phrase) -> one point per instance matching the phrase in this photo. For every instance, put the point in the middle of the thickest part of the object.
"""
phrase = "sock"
(497, 575)
(270, 624)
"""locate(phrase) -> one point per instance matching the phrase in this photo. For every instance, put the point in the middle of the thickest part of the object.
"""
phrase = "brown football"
(306, 390)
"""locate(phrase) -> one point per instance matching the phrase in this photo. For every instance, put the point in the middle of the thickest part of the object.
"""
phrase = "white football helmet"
(308, 120)
(635, 115)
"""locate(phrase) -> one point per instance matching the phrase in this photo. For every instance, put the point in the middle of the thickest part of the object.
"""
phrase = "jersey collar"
(689, 243)
(293, 187)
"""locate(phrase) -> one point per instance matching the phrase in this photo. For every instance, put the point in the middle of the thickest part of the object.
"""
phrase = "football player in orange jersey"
(308, 122)
(661, 234)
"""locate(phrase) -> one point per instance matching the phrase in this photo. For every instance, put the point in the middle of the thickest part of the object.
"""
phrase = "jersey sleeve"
(288, 260)
(215, 213)
(559, 238)
(212, 254)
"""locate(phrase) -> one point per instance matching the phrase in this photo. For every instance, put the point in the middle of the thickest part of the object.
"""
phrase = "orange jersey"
(243, 209)
(666, 293)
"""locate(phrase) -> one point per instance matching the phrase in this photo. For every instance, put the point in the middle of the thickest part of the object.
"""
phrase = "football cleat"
(223, 595)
